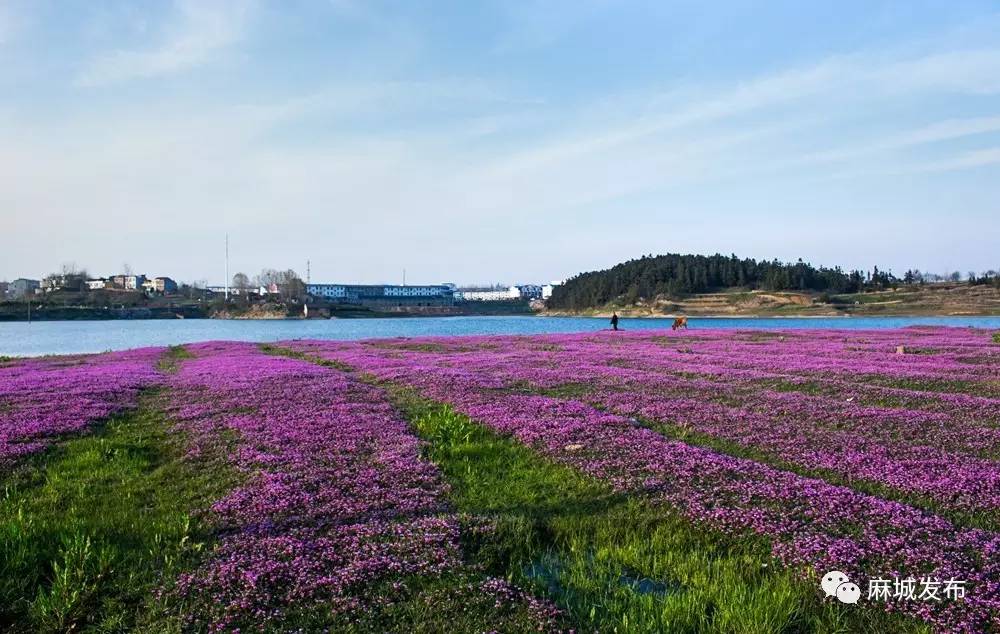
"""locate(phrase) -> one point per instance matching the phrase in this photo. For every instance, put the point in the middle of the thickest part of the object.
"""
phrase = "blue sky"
(495, 141)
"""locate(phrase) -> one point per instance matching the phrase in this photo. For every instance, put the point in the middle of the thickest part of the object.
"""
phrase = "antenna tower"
(227, 267)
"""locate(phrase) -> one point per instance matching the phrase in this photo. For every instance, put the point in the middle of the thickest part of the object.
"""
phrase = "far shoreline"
(88, 337)
(759, 316)
(420, 317)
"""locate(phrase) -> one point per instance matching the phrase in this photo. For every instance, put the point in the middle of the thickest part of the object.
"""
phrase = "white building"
(160, 285)
(96, 285)
(548, 288)
(379, 291)
(21, 287)
(128, 282)
(328, 291)
(236, 292)
(492, 295)
(530, 291)
(416, 291)
(55, 283)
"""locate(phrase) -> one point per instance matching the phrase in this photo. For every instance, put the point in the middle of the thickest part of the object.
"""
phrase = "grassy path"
(95, 526)
(615, 563)
(682, 433)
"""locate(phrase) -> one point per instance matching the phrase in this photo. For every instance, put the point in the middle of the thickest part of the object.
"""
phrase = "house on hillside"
(63, 282)
(128, 282)
(165, 285)
(530, 291)
(22, 287)
(548, 288)
(159, 286)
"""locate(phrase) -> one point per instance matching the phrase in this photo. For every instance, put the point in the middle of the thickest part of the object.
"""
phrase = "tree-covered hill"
(675, 275)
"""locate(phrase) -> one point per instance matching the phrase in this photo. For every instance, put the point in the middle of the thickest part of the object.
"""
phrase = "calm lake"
(67, 337)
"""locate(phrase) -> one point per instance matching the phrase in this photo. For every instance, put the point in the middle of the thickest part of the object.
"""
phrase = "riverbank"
(932, 300)
(19, 311)
(81, 336)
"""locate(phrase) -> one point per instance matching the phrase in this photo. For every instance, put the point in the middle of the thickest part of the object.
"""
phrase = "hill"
(721, 285)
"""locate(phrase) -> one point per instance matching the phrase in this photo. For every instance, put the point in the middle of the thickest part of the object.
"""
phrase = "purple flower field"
(43, 399)
(336, 500)
(831, 447)
(849, 404)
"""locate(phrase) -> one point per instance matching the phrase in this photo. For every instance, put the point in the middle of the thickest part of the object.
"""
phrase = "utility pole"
(227, 267)
(308, 273)
(404, 277)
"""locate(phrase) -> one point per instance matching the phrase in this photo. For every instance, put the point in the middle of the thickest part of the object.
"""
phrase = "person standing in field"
(614, 321)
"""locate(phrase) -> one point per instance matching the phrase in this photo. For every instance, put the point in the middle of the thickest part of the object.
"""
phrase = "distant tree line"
(991, 278)
(286, 284)
(69, 285)
(675, 275)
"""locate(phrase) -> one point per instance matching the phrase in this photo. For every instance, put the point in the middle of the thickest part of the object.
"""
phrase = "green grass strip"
(171, 358)
(96, 525)
(616, 563)
(683, 433)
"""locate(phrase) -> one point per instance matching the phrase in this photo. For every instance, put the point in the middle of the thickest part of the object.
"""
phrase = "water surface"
(67, 337)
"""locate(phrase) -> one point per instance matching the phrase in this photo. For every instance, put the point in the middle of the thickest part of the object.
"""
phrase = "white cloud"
(938, 132)
(291, 175)
(969, 160)
(696, 127)
(199, 30)
(947, 130)
(975, 71)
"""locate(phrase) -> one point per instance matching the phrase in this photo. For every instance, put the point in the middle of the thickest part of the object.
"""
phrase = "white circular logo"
(848, 592)
(831, 580)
